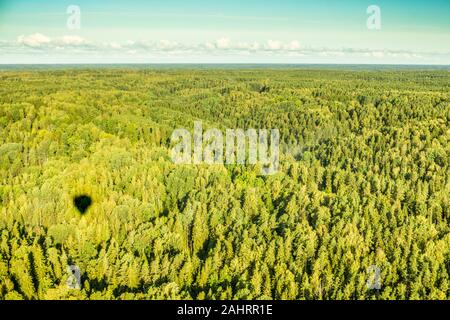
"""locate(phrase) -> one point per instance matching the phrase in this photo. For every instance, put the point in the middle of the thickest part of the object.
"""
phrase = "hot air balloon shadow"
(82, 203)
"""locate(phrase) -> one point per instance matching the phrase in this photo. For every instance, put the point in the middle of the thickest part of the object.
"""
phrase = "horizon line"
(226, 63)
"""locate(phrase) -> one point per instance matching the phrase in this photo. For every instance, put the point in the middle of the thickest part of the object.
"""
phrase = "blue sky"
(282, 31)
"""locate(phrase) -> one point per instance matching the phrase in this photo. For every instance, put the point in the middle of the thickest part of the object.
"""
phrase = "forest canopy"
(363, 183)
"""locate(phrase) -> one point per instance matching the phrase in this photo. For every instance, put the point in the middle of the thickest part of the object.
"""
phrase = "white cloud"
(166, 45)
(244, 46)
(255, 46)
(223, 43)
(72, 40)
(115, 45)
(34, 40)
(378, 54)
(222, 47)
(293, 45)
(210, 46)
(273, 45)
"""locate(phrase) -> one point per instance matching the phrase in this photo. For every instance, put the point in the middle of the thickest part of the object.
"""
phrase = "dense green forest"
(363, 182)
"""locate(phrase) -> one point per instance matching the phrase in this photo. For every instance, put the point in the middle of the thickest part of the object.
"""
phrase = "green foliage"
(364, 180)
